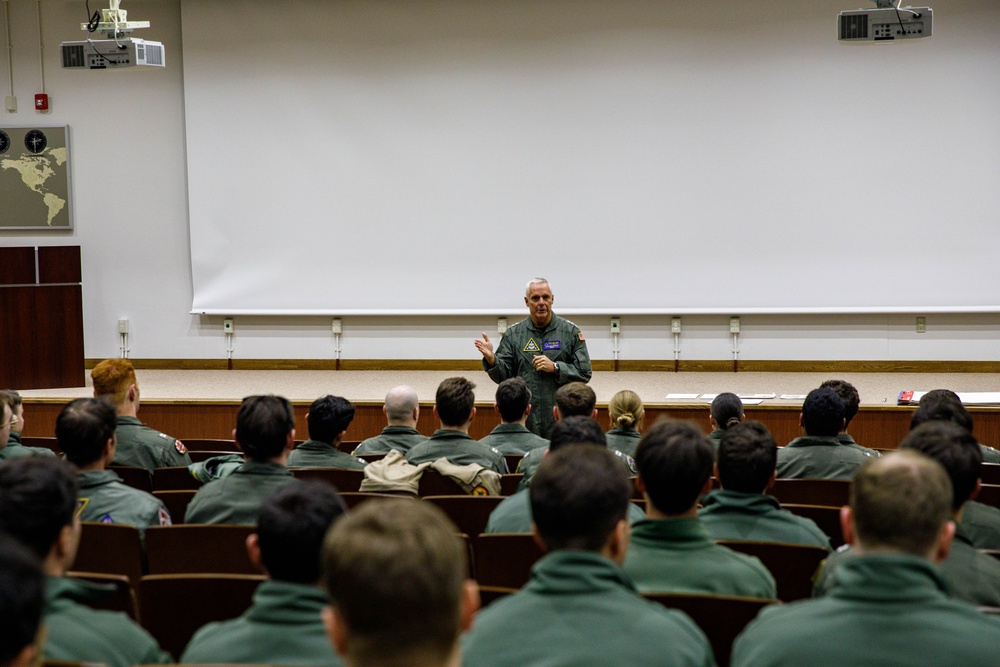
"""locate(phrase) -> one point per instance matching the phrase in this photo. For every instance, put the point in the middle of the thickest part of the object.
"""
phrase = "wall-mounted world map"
(34, 178)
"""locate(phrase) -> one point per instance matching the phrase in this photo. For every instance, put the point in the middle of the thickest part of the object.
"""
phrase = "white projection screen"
(647, 156)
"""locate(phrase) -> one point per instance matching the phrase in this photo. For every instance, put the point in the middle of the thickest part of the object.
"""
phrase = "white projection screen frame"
(647, 156)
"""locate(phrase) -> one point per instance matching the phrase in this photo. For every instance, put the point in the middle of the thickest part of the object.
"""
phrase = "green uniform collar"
(317, 446)
(682, 533)
(888, 577)
(748, 503)
(443, 434)
(510, 428)
(14, 438)
(846, 439)
(573, 572)
(94, 478)
(399, 430)
(285, 602)
(268, 468)
(625, 431)
(65, 592)
(129, 421)
(815, 441)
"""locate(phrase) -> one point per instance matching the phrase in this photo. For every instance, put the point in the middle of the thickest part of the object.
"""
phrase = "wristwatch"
(555, 367)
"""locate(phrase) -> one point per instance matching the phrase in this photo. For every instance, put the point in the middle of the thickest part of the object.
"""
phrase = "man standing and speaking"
(544, 349)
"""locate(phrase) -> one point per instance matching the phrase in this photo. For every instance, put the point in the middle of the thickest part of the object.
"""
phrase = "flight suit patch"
(551, 345)
(107, 519)
(164, 517)
(532, 346)
(81, 503)
(480, 491)
(179, 446)
(580, 336)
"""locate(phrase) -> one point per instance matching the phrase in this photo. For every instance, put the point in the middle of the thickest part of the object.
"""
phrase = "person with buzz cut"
(819, 454)
(138, 445)
(328, 420)
(402, 411)
(580, 608)
(14, 448)
(284, 626)
(513, 404)
(889, 605)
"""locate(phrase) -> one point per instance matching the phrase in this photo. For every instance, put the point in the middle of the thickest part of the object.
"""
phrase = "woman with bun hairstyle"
(727, 411)
(626, 413)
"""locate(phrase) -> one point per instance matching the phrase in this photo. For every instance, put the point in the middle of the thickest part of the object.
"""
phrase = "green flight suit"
(846, 439)
(714, 438)
(314, 454)
(216, 467)
(969, 575)
(886, 610)
(677, 556)
(513, 439)
(733, 515)
(981, 525)
(529, 464)
(282, 627)
(580, 609)
(15, 449)
(237, 498)
(513, 514)
(624, 439)
(105, 498)
(990, 455)
(77, 633)
(143, 447)
(459, 448)
(562, 342)
(816, 457)
(402, 438)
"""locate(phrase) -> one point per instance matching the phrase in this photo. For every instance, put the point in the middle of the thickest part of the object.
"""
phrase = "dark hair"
(292, 523)
(22, 598)
(727, 410)
(37, 500)
(575, 399)
(747, 457)
(83, 429)
(395, 571)
(674, 460)
(329, 417)
(942, 407)
(263, 425)
(576, 431)
(11, 398)
(454, 401)
(823, 412)
(849, 393)
(513, 397)
(954, 448)
(578, 496)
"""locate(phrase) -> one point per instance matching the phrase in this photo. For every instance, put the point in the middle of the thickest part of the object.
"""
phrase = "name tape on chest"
(551, 345)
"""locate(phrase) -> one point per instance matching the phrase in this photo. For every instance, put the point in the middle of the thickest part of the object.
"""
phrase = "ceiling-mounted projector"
(887, 22)
(117, 50)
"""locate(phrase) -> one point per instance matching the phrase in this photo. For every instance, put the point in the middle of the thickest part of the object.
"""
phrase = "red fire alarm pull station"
(41, 102)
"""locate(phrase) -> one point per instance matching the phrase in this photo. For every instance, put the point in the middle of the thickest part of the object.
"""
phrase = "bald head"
(401, 406)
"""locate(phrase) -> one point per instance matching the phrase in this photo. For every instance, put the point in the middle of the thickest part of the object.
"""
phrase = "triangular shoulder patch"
(532, 346)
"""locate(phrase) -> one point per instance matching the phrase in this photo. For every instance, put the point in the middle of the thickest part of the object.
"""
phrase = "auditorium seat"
(512, 460)
(468, 513)
(827, 518)
(202, 455)
(989, 494)
(792, 565)
(830, 492)
(343, 480)
(990, 473)
(38, 441)
(721, 617)
(509, 483)
(110, 548)
(433, 483)
(175, 478)
(194, 548)
(505, 559)
(174, 606)
(136, 477)
(123, 597)
(176, 501)
(489, 594)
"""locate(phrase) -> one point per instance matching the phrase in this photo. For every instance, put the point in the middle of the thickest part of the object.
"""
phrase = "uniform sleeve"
(578, 368)
(505, 361)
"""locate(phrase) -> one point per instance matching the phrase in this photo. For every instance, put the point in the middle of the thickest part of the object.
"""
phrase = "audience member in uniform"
(726, 411)
(397, 578)
(889, 603)
(138, 445)
(38, 502)
(85, 431)
(980, 523)
(513, 514)
(455, 408)
(513, 404)
(970, 575)
(401, 410)
(284, 626)
(626, 412)
(580, 607)
(741, 509)
(819, 453)
(852, 403)
(265, 431)
(671, 550)
(14, 448)
(22, 598)
(328, 420)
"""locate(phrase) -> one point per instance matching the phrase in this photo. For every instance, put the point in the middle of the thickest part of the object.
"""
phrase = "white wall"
(130, 195)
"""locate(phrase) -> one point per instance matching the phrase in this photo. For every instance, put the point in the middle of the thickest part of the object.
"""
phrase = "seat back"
(110, 548)
(990, 473)
(469, 513)
(175, 606)
(512, 460)
(40, 441)
(175, 478)
(830, 492)
(137, 478)
(827, 518)
(176, 502)
(202, 455)
(489, 594)
(123, 599)
(210, 444)
(354, 498)
(505, 559)
(343, 480)
(509, 483)
(433, 483)
(792, 565)
(989, 494)
(199, 548)
(720, 617)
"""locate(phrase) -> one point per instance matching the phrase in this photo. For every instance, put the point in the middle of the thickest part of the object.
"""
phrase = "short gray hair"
(534, 281)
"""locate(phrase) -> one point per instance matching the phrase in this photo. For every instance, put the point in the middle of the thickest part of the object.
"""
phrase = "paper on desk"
(687, 397)
(793, 397)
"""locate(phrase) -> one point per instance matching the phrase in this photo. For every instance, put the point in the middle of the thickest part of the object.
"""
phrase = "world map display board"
(34, 178)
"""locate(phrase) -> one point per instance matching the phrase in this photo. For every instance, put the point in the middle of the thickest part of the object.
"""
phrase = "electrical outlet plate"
(675, 325)
(337, 326)
(734, 325)
(501, 325)
(616, 325)
(921, 325)
(227, 326)
(123, 326)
